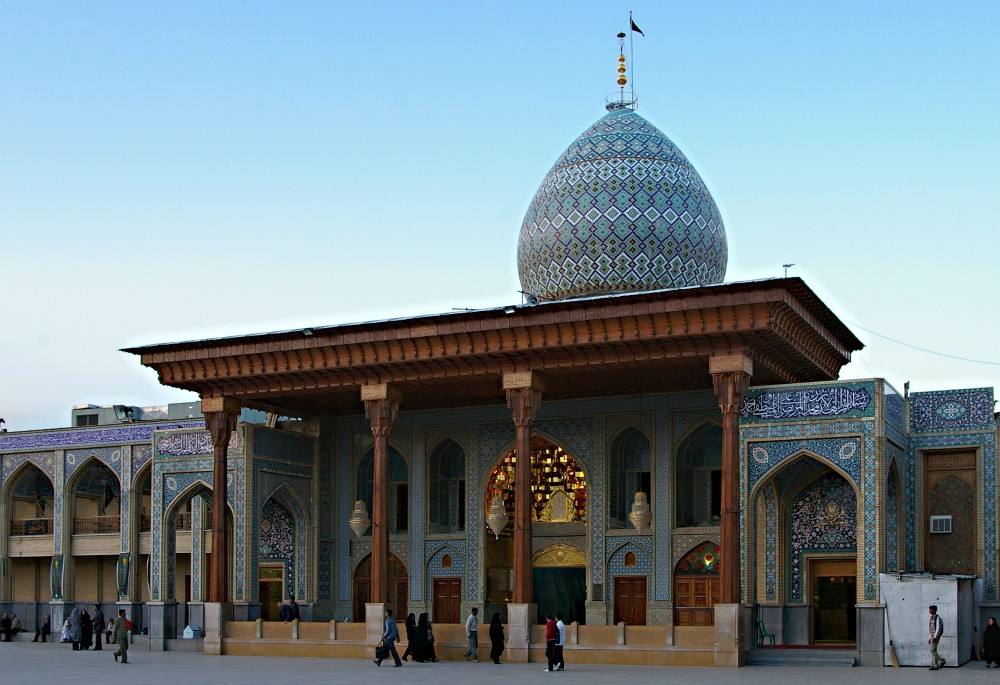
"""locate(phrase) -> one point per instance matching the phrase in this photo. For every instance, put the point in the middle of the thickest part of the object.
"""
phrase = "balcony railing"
(97, 524)
(181, 522)
(31, 527)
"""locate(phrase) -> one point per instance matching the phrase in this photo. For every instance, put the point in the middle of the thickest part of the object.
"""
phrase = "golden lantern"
(641, 515)
(497, 517)
(359, 520)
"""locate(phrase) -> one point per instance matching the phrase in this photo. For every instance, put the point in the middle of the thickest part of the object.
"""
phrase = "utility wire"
(922, 349)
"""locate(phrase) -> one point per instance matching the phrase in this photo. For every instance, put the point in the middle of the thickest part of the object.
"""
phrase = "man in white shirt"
(936, 627)
(560, 643)
(472, 633)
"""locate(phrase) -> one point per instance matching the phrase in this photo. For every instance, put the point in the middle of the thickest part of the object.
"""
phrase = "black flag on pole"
(636, 28)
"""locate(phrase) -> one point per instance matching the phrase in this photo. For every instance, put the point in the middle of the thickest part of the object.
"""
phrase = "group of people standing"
(80, 628)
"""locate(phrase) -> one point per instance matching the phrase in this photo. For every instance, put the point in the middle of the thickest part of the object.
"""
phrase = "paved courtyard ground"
(27, 663)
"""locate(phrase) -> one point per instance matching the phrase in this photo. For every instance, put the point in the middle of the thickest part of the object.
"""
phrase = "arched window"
(446, 489)
(628, 474)
(699, 477)
(399, 488)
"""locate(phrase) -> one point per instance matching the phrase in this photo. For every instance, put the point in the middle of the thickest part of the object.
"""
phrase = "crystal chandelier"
(641, 515)
(359, 520)
(497, 516)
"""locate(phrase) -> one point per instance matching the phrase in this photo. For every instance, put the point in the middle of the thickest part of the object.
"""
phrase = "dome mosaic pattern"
(622, 210)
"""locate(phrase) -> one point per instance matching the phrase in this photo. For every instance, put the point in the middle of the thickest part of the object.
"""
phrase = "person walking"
(560, 643)
(411, 632)
(936, 627)
(420, 639)
(119, 635)
(99, 624)
(390, 634)
(44, 629)
(431, 652)
(551, 634)
(496, 637)
(472, 635)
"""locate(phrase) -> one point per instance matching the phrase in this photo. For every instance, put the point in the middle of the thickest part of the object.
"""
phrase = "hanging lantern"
(641, 515)
(497, 516)
(359, 520)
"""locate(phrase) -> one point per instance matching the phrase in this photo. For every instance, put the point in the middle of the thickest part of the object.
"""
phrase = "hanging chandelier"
(497, 516)
(359, 520)
(641, 515)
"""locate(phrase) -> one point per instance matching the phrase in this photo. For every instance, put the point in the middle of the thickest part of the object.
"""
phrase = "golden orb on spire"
(622, 79)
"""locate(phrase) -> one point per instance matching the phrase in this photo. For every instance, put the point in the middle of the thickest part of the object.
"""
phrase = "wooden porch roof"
(590, 347)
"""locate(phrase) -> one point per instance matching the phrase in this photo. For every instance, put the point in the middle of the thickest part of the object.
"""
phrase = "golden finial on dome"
(618, 100)
(622, 79)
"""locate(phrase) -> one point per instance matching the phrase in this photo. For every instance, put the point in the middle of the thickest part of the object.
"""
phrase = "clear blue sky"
(178, 170)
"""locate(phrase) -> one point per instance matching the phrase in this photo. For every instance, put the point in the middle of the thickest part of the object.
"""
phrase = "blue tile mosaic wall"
(951, 410)
(124, 434)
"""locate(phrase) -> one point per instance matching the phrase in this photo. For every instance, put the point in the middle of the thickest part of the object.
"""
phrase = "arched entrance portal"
(399, 587)
(559, 510)
(696, 586)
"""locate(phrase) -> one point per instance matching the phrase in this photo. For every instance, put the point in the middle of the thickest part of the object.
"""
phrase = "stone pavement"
(24, 663)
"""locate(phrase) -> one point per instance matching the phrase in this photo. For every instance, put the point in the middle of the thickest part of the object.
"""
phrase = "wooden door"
(447, 600)
(630, 600)
(694, 600)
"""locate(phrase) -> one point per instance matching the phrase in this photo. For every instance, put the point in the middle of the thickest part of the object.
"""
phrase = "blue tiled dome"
(622, 210)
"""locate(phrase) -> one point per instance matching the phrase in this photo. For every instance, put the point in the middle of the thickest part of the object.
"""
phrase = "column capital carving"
(381, 414)
(730, 379)
(523, 404)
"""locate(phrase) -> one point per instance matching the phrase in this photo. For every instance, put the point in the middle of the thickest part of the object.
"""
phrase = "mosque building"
(696, 483)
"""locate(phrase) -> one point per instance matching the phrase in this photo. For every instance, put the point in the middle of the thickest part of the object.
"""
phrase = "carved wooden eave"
(618, 344)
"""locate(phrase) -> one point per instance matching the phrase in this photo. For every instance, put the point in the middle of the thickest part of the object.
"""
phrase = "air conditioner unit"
(940, 524)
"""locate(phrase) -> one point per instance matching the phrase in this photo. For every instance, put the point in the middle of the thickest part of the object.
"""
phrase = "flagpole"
(631, 52)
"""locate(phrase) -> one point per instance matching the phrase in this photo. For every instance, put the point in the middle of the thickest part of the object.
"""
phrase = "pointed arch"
(569, 473)
(629, 471)
(698, 476)
(295, 567)
(446, 487)
(29, 493)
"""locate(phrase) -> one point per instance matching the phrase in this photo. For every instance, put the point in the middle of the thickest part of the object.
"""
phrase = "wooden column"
(381, 406)
(220, 419)
(524, 395)
(730, 378)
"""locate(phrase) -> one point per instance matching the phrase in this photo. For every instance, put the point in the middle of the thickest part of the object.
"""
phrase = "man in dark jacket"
(99, 626)
(390, 634)
(44, 629)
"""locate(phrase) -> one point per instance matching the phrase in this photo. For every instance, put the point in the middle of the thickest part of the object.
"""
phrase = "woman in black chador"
(411, 632)
(496, 637)
(420, 640)
(991, 643)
